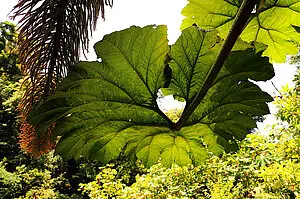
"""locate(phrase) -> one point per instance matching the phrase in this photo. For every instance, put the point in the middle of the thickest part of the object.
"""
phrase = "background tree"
(288, 105)
(9, 90)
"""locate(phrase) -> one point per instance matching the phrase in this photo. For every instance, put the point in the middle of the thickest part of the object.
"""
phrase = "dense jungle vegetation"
(105, 136)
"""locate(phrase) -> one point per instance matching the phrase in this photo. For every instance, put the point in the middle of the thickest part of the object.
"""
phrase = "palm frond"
(34, 144)
(51, 36)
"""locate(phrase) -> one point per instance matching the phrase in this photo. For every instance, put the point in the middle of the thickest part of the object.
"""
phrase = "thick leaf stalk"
(237, 28)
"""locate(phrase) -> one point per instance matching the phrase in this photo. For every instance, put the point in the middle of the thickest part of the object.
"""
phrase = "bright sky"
(126, 13)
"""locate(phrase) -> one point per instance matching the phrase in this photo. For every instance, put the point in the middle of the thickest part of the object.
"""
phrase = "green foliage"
(10, 93)
(162, 182)
(26, 182)
(105, 108)
(288, 105)
(50, 177)
(8, 50)
(159, 182)
(280, 179)
(174, 114)
(274, 23)
(106, 184)
(263, 168)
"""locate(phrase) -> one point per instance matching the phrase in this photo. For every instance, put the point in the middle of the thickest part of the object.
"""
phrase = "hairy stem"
(236, 29)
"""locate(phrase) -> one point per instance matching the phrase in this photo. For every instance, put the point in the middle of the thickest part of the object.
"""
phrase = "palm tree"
(51, 35)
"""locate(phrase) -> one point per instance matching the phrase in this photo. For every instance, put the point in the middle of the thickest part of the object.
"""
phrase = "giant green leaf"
(104, 109)
(273, 23)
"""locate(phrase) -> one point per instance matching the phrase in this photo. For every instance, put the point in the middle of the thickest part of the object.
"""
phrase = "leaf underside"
(104, 109)
(273, 24)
